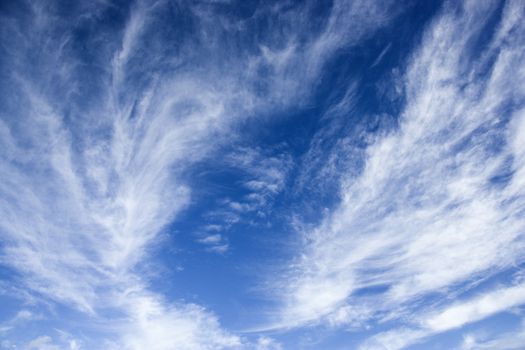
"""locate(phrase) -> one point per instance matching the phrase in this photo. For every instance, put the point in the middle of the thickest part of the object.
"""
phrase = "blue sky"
(262, 175)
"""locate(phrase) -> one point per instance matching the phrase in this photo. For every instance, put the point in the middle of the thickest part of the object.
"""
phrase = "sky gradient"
(262, 175)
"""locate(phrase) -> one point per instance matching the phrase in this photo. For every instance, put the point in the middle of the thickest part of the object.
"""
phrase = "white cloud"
(477, 309)
(211, 239)
(46, 342)
(92, 167)
(42, 343)
(424, 216)
(450, 317)
(265, 176)
(394, 339)
(156, 327)
(267, 343)
(79, 213)
(215, 243)
(512, 340)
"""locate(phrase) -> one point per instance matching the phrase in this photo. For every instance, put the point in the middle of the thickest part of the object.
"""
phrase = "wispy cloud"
(450, 317)
(266, 343)
(381, 55)
(439, 201)
(80, 212)
(265, 176)
(479, 308)
(503, 341)
(214, 243)
(100, 125)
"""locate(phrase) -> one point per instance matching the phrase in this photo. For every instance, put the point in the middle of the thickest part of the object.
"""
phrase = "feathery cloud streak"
(103, 120)
(439, 203)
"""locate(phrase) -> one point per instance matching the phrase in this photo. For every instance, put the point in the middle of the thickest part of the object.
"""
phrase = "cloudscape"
(262, 175)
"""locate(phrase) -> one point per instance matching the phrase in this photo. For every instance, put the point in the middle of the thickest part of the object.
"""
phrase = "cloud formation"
(106, 111)
(438, 204)
(410, 220)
